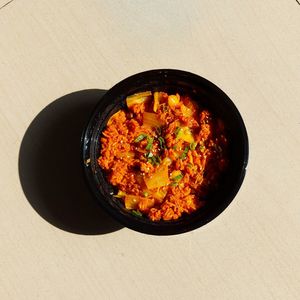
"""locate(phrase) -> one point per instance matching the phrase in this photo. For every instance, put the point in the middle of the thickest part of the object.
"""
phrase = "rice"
(164, 154)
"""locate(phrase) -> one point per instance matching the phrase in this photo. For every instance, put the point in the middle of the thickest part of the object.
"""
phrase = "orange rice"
(163, 154)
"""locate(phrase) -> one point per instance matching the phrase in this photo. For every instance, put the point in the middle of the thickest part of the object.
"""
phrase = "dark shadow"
(50, 168)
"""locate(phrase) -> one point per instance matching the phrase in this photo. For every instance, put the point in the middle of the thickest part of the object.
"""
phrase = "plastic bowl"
(210, 97)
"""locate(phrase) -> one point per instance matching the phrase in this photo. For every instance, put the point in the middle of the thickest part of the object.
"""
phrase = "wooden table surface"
(57, 58)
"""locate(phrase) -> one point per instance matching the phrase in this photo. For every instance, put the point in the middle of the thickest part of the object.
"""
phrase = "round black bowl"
(210, 97)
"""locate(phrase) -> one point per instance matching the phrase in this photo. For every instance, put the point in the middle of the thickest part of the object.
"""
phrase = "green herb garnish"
(149, 154)
(137, 213)
(154, 160)
(184, 153)
(202, 148)
(193, 145)
(178, 177)
(145, 194)
(149, 144)
(177, 130)
(161, 142)
(158, 130)
(175, 147)
(140, 137)
(174, 183)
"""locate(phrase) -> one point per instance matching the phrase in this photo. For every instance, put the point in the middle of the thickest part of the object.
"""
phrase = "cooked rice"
(141, 158)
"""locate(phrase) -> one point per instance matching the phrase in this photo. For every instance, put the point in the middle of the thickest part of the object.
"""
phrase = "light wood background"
(251, 50)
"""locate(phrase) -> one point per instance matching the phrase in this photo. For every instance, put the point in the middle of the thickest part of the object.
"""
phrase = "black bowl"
(210, 97)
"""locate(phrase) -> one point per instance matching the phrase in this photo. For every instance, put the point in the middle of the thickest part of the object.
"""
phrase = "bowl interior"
(208, 96)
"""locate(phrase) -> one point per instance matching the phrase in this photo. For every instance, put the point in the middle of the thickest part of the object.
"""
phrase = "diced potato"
(185, 134)
(155, 101)
(138, 98)
(151, 120)
(167, 161)
(159, 195)
(158, 179)
(186, 112)
(173, 100)
(132, 201)
(120, 194)
(159, 97)
(145, 204)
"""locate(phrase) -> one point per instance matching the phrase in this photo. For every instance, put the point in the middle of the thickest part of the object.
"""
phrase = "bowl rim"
(135, 223)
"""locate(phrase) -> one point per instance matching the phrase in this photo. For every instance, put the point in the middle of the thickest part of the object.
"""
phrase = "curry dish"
(164, 154)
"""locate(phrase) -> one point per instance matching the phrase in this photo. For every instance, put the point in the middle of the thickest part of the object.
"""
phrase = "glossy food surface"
(164, 154)
(207, 97)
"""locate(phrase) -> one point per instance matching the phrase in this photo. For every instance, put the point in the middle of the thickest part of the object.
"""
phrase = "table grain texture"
(74, 50)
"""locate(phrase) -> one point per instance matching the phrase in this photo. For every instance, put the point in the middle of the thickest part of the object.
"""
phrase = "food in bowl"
(164, 154)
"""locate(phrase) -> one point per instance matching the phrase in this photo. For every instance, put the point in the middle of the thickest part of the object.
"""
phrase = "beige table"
(48, 49)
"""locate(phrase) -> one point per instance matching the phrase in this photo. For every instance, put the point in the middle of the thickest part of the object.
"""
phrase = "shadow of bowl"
(50, 169)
